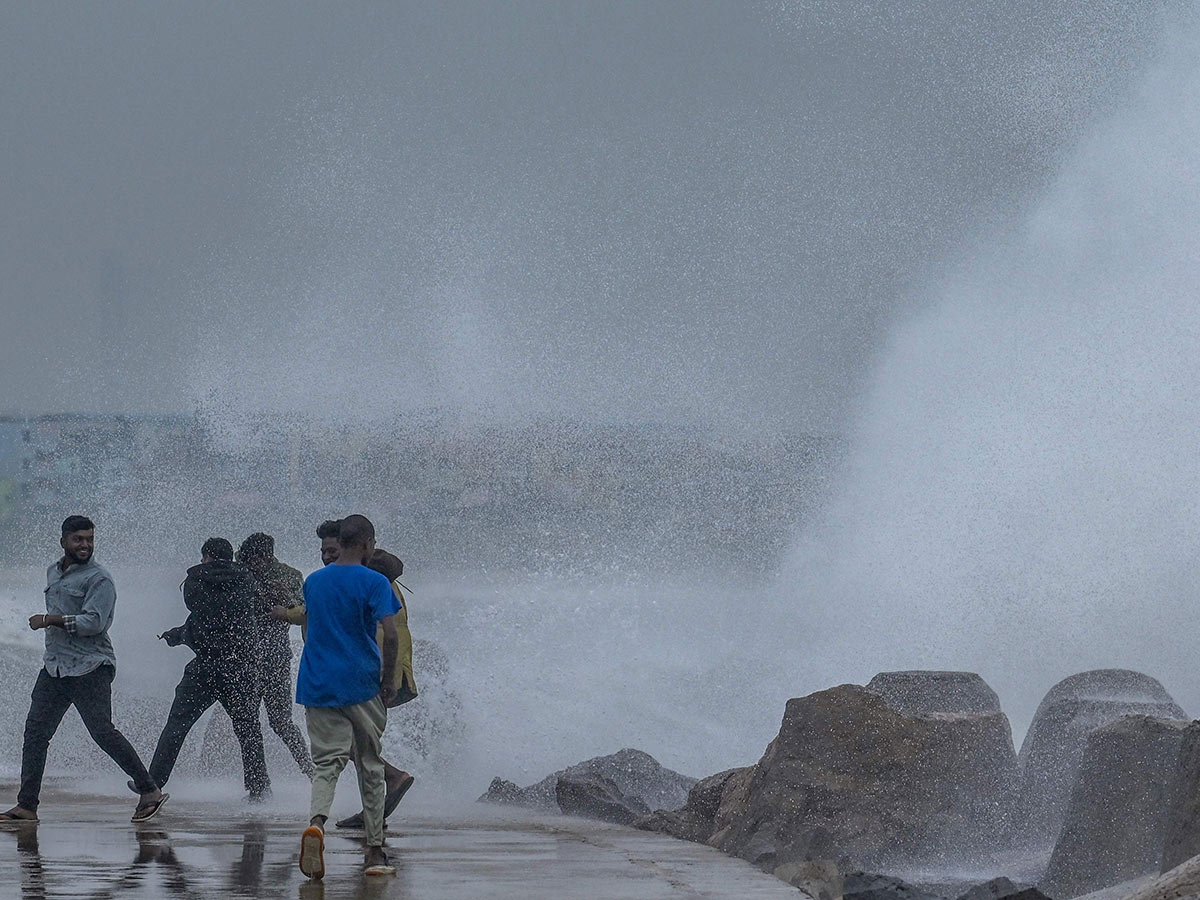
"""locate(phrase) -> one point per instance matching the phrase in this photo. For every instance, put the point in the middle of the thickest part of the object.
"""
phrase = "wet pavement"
(85, 847)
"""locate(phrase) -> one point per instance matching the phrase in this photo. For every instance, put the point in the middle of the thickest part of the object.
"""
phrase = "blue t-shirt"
(341, 662)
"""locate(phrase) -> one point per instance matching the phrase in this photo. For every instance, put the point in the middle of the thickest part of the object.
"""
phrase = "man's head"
(216, 548)
(257, 551)
(356, 539)
(78, 539)
(386, 564)
(327, 531)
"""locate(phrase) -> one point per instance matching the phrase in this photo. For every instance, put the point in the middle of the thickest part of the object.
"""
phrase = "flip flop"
(312, 852)
(383, 868)
(147, 811)
(390, 802)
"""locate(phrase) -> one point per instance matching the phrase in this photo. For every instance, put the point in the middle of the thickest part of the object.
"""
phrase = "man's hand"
(279, 613)
(387, 691)
(36, 622)
(173, 636)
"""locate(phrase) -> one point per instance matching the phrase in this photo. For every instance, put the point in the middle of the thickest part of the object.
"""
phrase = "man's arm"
(391, 645)
(295, 610)
(293, 615)
(175, 636)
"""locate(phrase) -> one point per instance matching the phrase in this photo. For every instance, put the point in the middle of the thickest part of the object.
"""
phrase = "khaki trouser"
(337, 735)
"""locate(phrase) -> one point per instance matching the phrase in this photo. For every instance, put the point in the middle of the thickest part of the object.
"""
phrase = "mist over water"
(612, 314)
(618, 211)
(1021, 497)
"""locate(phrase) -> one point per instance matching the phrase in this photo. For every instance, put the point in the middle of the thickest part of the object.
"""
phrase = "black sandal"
(390, 802)
(147, 811)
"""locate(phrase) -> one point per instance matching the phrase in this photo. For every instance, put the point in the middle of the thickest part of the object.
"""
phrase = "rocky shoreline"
(910, 788)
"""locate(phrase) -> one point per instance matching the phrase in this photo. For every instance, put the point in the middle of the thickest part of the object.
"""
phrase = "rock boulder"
(1053, 747)
(1117, 816)
(1180, 883)
(1181, 840)
(503, 792)
(696, 820)
(960, 693)
(870, 886)
(1003, 889)
(592, 796)
(636, 775)
(820, 879)
(887, 787)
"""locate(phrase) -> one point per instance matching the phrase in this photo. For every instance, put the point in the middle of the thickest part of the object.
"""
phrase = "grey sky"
(636, 209)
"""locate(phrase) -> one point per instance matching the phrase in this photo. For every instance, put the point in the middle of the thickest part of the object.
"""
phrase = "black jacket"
(222, 626)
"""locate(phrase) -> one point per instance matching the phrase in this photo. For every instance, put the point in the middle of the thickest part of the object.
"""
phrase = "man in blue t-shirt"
(342, 688)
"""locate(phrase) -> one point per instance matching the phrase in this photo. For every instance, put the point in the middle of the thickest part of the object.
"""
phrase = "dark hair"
(217, 548)
(386, 564)
(329, 529)
(76, 523)
(355, 531)
(257, 546)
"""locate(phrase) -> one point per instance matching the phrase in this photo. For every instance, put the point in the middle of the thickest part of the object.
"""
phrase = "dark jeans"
(202, 685)
(276, 687)
(92, 696)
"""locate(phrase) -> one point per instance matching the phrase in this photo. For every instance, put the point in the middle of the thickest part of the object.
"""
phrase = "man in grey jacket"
(79, 667)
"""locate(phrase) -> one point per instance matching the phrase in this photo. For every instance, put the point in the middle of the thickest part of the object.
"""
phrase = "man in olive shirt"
(79, 667)
(278, 584)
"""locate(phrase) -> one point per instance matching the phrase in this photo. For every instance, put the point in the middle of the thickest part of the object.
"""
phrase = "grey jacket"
(86, 598)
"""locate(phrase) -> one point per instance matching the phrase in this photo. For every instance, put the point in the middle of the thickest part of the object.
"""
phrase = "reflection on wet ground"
(84, 859)
(86, 848)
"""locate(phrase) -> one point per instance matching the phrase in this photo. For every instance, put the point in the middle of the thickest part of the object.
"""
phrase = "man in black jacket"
(222, 630)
